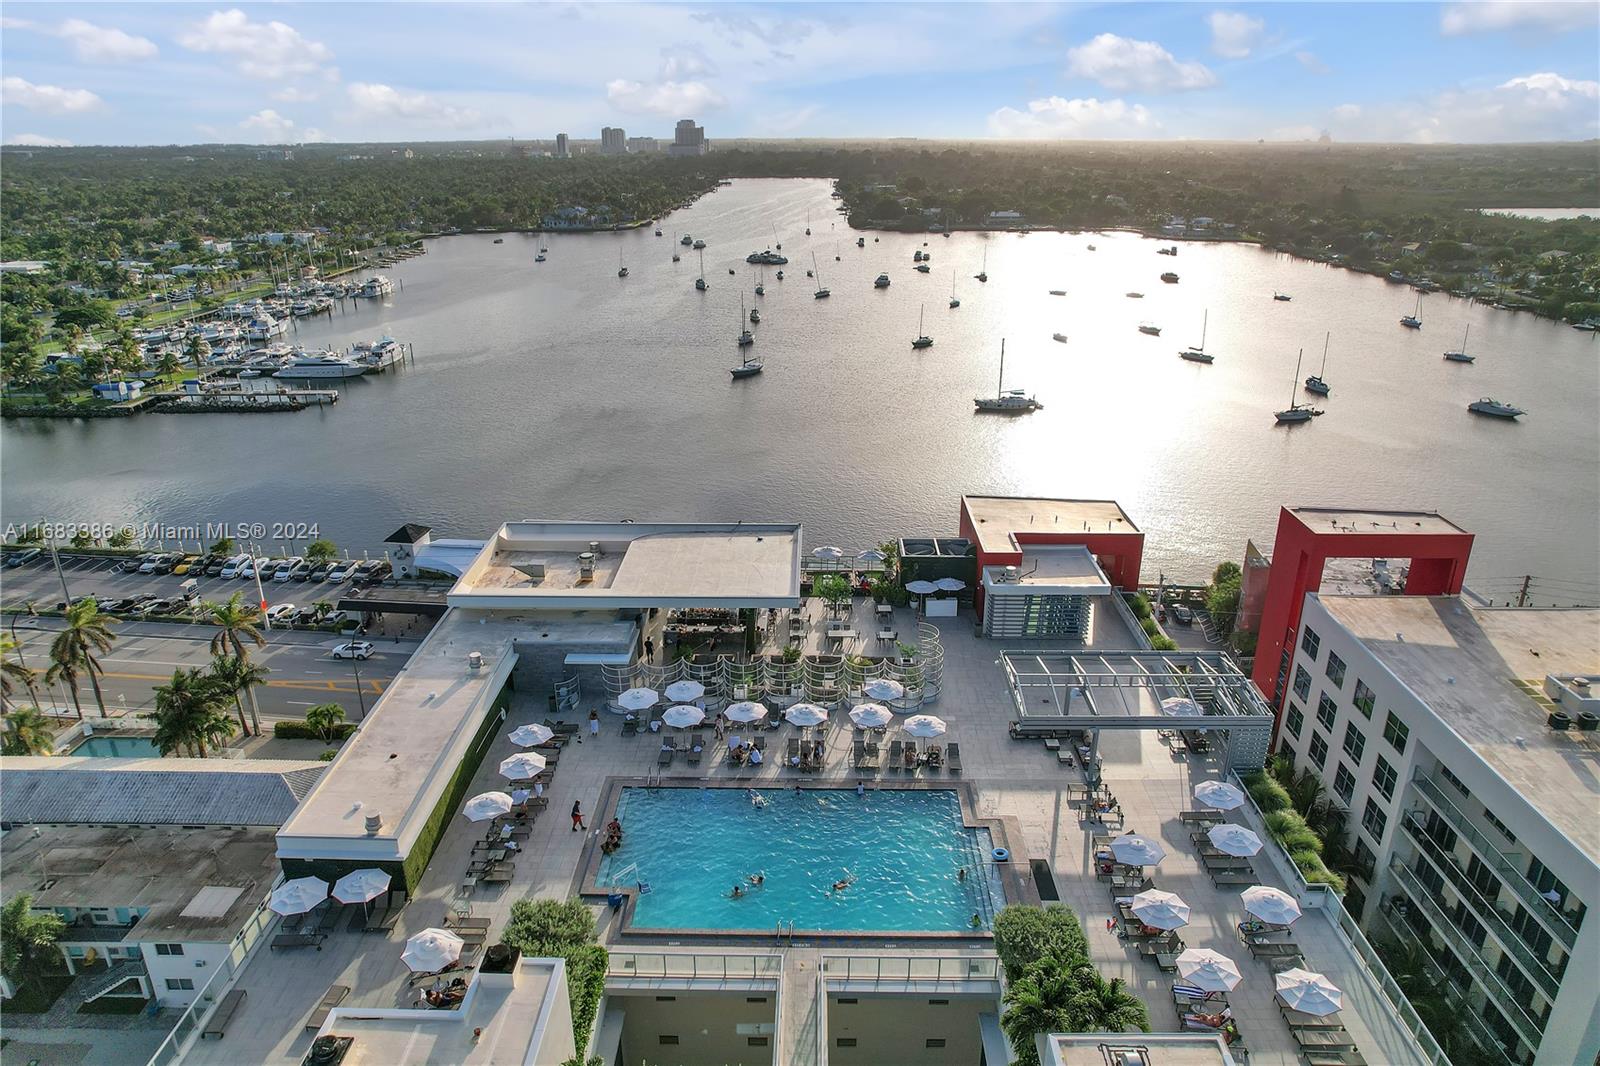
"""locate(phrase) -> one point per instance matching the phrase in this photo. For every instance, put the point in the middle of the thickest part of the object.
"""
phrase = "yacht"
(746, 338)
(922, 268)
(1006, 401)
(822, 292)
(1150, 329)
(376, 286)
(1296, 412)
(1062, 337)
(923, 340)
(1494, 408)
(861, 242)
(264, 327)
(1058, 292)
(1461, 356)
(700, 282)
(1282, 297)
(1316, 382)
(1414, 320)
(1170, 278)
(321, 365)
(699, 245)
(1199, 354)
(882, 282)
(686, 240)
(766, 258)
(377, 355)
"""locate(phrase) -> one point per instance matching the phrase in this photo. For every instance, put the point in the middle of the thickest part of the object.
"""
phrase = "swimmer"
(861, 788)
(976, 922)
(844, 882)
(756, 878)
(961, 874)
(757, 800)
(736, 893)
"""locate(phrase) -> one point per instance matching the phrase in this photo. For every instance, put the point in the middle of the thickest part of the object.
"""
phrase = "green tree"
(28, 732)
(1101, 1006)
(1036, 1003)
(191, 714)
(14, 672)
(223, 546)
(27, 941)
(237, 630)
(834, 588)
(236, 676)
(325, 718)
(76, 649)
(322, 551)
(197, 349)
(122, 538)
(21, 365)
(167, 364)
(82, 539)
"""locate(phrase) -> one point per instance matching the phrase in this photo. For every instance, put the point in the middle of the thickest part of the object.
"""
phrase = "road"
(98, 576)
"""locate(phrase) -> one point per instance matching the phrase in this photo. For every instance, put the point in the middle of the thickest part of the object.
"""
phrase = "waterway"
(557, 389)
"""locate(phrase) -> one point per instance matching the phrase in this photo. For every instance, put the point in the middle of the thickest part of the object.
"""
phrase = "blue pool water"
(117, 748)
(904, 848)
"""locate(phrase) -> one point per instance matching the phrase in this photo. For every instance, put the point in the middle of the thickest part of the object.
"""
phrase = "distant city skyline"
(295, 73)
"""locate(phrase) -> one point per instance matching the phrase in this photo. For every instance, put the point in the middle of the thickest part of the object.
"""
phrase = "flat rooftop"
(1136, 1049)
(996, 518)
(1062, 570)
(70, 790)
(1463, 662)
(1345, 520)
(552, 564)
(511, 1018)
(199, 885)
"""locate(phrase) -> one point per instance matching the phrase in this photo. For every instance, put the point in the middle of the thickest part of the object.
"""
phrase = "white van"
(285, 568)
(234, 565)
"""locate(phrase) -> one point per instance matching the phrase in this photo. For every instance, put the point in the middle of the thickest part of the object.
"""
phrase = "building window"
(1374, 820)
(1344, 783)
(1294, 720)
(180, 984)
(1355, 742)
(933, 1042)
(1364, 861)
(1302, 682)
(169, 949)
(1327, 711)
(1483, 879)
(1455, 782)
(1396, 733)
(1310, 643)
(1547, 882)
(1501, 826)
(1355, 901)
(1335, 669)
(1319, 749)
(1365, 698)
(1384, 777)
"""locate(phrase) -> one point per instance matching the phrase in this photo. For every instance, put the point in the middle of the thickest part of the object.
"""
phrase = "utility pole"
(55, 558)
(1522, 596)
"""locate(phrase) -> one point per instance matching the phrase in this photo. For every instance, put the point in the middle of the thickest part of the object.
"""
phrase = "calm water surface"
(557, 389)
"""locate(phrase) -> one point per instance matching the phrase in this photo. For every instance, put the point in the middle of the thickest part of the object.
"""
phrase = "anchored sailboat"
(1316, 382)
(1414, 320)
(822, 292)
(1461, 356)
(1296, 412)
(700, 282)
(1199, 354)
(923, 340)
(1012, 401)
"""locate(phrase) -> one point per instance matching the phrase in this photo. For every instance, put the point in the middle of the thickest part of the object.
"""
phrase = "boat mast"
(1000, 387)
(1324, 369)
(1464, 334)
(1205, 320)
(920, 313)
(1293, 398)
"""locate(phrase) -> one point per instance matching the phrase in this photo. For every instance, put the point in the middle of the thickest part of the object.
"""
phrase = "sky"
(151, 73)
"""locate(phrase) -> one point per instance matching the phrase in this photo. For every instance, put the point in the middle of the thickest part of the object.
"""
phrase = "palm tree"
(72, 653)
(1036, 1003)
(325, 718)
(235, 675)
(13, 671)
(27, 940)
(190, 713)
(27, 732)
(236, 623)
(1101, 1006)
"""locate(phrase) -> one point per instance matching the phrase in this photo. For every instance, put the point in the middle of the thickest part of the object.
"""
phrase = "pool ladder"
(785, 930)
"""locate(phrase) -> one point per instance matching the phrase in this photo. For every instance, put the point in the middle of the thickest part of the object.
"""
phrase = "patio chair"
(630, 727)
(895, 757)
(935, 757)
(664, 758)
(858, 751)
(218, 1025)
(910, 755)
(332, 914)
(952, 758)
(759, 743)
(335, 995)
(792, 754)
(697, 744)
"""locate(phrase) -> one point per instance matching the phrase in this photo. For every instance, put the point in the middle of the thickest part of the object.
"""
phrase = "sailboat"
(983, 275)
(822, 292)
(622, 270)
(761, 286)
(745, 336)
(1200, 355)
(747, 368)
(775, 242)
(1316, 382)
(1296, 412)
(675, 251)
(700, 282)
(1013, 401)
(1461, 356)
(954, 300)
(923, 340)
(1414, 320)
(808, 223)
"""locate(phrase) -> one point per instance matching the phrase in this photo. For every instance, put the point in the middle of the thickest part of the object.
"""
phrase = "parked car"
(285, 568)
(136, 563)
(185, 564)
(23, 557)
(217, 564)
(306, 616)
(114, 606)
(262, 564)
(234, 566)
(1182, 615)
(355, 649)
(319, 572)
(301, 571)
(170, 605)
(281, 612)
(340, 571)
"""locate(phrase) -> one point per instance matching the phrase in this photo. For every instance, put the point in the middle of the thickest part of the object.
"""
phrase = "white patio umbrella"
(1160, 910)
(871, 555)
(683, 716)
(522, 765)
(745, 711)
(1233, 839)
(806, 714)
(921, 588)
(871, 715)
(526, 736)
(1310, 992)
(1219, 795)
(360, 886)
(430, 950)
(884, 688)
(949, 584)
(684, 691)
(1208, 970)
(827, 551)
(638, 699)
(1134, 850)
(923, 725)
(486, 805)
(299, 895)
(1271, 905)
(1180, 707)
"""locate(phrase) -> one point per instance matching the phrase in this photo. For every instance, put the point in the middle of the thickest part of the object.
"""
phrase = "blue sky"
(173, 74)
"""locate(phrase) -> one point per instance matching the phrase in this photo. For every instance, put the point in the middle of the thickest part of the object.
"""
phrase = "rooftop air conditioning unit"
(586, 566)
(1009, 575)
(594, 549)
(475, 660)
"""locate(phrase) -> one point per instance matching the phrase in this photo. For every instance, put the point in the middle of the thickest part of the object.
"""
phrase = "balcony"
(1538, 969)
(1549, 915)
(1485, 1037)
(1421, 898)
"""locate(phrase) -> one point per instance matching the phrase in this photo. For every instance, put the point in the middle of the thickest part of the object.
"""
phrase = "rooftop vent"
(1008, 575)
(586, 566)
(474, 660)
(594, 549)
(374, 823)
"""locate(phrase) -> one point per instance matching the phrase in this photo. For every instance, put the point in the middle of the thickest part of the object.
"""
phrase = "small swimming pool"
(904, 850)
(117, 748)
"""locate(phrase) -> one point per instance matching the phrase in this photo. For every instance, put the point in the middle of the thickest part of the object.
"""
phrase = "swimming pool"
(117, 748)
(903, 848)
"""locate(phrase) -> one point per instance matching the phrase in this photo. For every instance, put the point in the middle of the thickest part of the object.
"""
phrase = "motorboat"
(499, 240)
(923, 340)
(1296, 412)
(861, 242)
(1150, 329)
(922, 268)
(1414, 320)
(699, 245)
(1494, 408)
(1461, 356)
(264, 328)
(1169, 250)
(916, 256)
(1134, 295)
(882, 282)
(686, 240)
(318, 365)
(955, 301)
(1062, 337)
(1282, 297)
(1006, 401)
(1316, 382)
(780, 275)
(766, 258)
(378, 285)
(1058, 292)
(377, 355)
(1170, 278)
(1091, 247)
(755, 315)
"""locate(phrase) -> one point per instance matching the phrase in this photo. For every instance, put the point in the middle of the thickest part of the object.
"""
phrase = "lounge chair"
(562, 728)
(952, 758)
(332, 914)
(630, 727)
(375, 918)
(910, 762)
(451, 921)
(665, 757)
(895, 761)
(697, 744)
(858, 751)
(335, 996)
(500, 875)
(218, 1025)
(935, 757)
(296, 940)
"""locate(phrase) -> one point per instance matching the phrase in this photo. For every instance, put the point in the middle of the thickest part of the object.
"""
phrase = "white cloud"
(1535, 107)
(1235, 35)
(294, 95)
(51, 99)
(1123, 64)
(37, 140)
(273, 127)
(1082, 119)
(1347, 112)
(1487, 16)
(9, 23)
(384, 101)
(272, 50)
(685, 61)
(105, 44)
(1310, 61)
(1553, 88)
(664, 98)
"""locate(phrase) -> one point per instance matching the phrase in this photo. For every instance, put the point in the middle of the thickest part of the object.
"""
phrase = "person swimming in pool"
(845, 882)
(961, 874)
(736, 893)
(757, 800)
(976, 922)
(757, 878)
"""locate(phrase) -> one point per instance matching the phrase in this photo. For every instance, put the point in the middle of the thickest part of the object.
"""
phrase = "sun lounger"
(1259, 950)
(1329, 1057)
(336, 995)
(1203, 817)
(896, 756)
(218, 1025)
(697, 745)
(1323, 1038)
(858, 752)
(630, 727)
(451, 921)
(500, 875)
(561, 728)
(332, 913)
(665, 757)
(1299, 1019)
(952, 758)
(296, 940)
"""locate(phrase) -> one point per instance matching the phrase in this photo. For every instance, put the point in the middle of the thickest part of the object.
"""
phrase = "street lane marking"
(367, 685)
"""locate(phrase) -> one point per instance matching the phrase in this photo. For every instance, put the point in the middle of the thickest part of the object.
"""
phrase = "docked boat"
(1282, 297)
(1170, 278)
(1316, 382)
(377, 355)
(378, 285)
(1058, 292)
(687, 240)
(822, 292)
(747, 368)
(1396, 276)
(1414, 320)
(1296, 412)
(1150, 329)
(700, 282)
(699, 245)
(321, 365)
(1494, 408)
(264, 327)
(1006, 401)
(923, 340)
(1062, 337)
(766, 258)
(922, 268)
(1461, 356)
(1198, 353)
(882, 282)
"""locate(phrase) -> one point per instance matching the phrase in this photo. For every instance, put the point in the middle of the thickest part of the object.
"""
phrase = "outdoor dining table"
(887, 635)
(842, 634)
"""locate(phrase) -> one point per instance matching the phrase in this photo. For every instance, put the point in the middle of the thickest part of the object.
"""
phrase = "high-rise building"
(688, 139)
(643, 144)
(562, 151)
(613, 141)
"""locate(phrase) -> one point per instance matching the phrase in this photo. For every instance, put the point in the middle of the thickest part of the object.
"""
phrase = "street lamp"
(361, 699)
